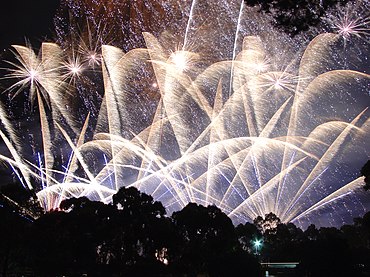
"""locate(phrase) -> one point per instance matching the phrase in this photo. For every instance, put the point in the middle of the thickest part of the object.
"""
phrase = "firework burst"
(240, 134)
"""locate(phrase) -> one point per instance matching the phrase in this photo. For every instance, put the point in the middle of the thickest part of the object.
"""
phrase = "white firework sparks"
(238, 133)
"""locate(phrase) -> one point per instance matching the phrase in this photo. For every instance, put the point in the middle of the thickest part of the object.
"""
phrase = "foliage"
(134, 237)
(268, 224)
(203, 234)
(25, 202)
(365, 171)
(295, 16)
(13, 256)
(248, 233)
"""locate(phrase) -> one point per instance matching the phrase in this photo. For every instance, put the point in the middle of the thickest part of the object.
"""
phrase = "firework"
(258, 133)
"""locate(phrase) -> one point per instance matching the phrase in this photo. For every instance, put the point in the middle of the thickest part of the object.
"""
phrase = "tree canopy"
(295, 16)
(133, 236)
(365, 171)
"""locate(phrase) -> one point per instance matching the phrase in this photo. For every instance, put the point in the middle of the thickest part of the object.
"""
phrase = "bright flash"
(347, 29)
(352, 21)
(180, 60)
(93, 59)
(75, 69)
(275, 80)
(32, 74)
(262, 66)
(278, 84)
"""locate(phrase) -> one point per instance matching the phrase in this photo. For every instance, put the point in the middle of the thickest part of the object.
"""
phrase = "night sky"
(21, 21)
(25, 19)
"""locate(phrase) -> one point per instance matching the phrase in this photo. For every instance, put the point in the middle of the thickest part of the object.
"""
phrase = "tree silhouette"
(329, 255)
(24, 201)
(18, 208)
(13, 227)
(285, 243)
(268, 224)
(203, 233)
(141, 233)
(247, 233)
(67, 242)
(295, 16)
(311, 233)
(365, 171)
(133, 237)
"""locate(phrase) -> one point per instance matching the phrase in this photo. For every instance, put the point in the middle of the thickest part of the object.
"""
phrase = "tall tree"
(204, 233)
(68, 242)
(365, 171)
(322, 256)
(13, 227)
(142, 233)
(268, 224)
(247, 235)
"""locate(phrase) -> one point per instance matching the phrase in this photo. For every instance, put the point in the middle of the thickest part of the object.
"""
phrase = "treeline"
(132, 236)
(296, 16)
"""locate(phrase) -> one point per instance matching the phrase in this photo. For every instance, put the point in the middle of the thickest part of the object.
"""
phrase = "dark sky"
(31, 19)
(21, 20)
